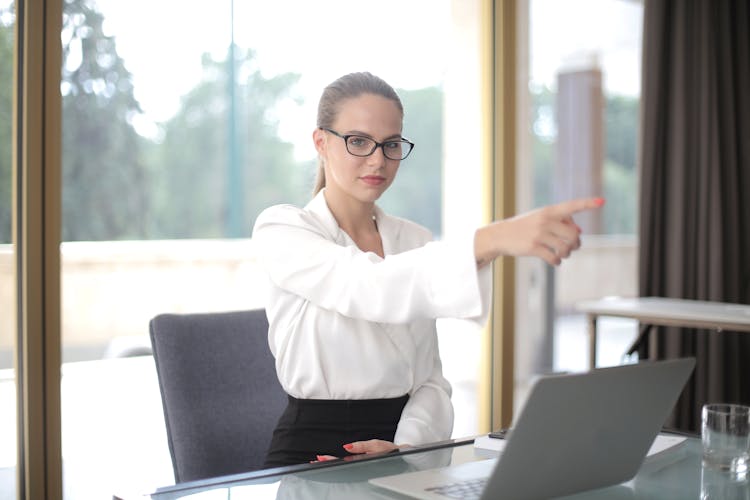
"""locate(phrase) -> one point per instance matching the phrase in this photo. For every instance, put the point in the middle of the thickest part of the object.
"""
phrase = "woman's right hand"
(363, 448)
(548, 233)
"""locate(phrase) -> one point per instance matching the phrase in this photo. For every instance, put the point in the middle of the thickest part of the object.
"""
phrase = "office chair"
(219, 390)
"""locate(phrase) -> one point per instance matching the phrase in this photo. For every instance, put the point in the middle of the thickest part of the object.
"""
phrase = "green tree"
(6, 121)
(620, 175)
(104, 181)
(622, 198)
(417, 192)
(191, 167)
(621, 119)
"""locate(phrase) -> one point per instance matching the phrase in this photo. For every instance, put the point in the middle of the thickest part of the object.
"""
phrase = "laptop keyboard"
(471, 488)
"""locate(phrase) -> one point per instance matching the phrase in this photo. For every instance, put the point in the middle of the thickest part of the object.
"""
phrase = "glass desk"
(675, 473)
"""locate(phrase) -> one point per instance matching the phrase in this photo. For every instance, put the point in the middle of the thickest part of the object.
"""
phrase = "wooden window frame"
(36, 238)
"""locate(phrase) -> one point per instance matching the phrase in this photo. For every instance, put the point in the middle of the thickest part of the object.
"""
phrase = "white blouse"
(348, 324)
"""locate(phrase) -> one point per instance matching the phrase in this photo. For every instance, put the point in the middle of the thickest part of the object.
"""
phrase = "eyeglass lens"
(364, 146)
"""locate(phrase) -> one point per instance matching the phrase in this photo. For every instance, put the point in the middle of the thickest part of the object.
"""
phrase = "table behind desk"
(675, 473)
(662, 311)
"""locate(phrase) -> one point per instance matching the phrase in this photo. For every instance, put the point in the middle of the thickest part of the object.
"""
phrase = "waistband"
(349, 410)
(349, 403)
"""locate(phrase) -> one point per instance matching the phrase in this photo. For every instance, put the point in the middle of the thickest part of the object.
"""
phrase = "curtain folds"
(695, 186)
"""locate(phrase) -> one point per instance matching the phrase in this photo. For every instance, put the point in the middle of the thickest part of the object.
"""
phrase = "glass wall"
(178, 129)
(8, 443)
(578, 137)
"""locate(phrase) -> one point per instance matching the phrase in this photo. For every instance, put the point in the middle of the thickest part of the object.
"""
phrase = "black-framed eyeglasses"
(359, 145)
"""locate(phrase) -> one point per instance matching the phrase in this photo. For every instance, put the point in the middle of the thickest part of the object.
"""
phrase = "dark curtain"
(695, 186)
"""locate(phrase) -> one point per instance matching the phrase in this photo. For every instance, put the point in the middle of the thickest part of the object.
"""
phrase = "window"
(579, 132)
(173, 141)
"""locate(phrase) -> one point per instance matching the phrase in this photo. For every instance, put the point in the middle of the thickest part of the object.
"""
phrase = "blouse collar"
(319, 207)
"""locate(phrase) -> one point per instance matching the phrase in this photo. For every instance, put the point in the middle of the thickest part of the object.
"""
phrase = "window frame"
(36, 237)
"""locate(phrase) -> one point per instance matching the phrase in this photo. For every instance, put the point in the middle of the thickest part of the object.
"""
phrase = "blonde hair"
(348, 87)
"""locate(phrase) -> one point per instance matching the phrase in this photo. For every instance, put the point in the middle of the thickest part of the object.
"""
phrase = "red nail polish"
(599, 202)
(348, 447)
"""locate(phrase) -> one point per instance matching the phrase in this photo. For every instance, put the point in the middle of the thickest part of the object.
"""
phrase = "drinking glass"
(726, 438)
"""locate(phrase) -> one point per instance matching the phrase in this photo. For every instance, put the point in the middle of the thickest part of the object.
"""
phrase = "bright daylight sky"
(162, 48)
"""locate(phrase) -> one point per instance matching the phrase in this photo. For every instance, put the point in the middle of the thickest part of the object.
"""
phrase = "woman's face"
(361, 178)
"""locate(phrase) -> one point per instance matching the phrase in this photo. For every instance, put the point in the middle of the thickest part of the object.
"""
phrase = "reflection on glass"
(177, 131)
(719, 485)
(339, 483)
(8, 441)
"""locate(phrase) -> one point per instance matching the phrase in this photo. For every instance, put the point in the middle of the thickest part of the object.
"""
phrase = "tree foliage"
(621, 122)
(195, 185)
(118, 184)
(622, 199)
(105, 184)
(6, 121)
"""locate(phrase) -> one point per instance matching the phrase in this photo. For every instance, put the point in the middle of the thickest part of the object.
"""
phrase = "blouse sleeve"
(428, 414)
(433, 281)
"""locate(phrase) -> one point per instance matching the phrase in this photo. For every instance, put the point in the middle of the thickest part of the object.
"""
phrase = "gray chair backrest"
(219, 389)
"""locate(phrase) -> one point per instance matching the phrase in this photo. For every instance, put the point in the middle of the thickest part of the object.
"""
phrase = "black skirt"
(310, 427)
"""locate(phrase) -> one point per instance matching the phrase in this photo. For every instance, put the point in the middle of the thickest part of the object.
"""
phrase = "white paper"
(662, 443)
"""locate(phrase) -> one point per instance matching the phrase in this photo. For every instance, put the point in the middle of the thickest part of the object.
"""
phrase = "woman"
(354, 293)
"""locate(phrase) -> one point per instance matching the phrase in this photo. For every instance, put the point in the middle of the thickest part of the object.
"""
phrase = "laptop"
(576, 432)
